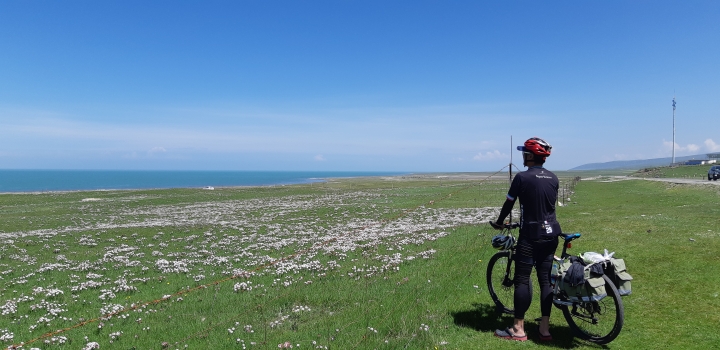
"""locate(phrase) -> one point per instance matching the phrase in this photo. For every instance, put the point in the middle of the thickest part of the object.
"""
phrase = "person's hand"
(495, 225)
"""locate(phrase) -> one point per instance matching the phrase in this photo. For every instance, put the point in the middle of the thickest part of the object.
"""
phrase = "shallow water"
(69, 180)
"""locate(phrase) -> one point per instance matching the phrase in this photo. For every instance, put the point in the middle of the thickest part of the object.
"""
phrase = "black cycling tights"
(528, 254)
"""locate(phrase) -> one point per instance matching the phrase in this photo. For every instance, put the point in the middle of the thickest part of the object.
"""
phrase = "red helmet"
(536, 146)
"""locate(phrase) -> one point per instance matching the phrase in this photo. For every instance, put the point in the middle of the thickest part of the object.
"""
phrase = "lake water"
(71, 180)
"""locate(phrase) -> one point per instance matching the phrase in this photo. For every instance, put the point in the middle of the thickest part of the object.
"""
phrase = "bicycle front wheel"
(598, 322)
(500, 282)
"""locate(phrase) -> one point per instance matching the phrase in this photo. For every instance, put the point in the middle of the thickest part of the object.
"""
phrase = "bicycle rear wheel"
(500, 286)
(599, 322)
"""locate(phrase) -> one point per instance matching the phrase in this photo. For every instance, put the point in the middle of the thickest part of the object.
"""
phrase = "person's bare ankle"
(517, 332)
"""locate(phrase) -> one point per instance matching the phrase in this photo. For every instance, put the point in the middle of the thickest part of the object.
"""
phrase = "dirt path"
(682, 181)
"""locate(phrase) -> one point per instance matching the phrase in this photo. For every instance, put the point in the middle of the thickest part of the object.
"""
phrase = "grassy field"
(386, 263)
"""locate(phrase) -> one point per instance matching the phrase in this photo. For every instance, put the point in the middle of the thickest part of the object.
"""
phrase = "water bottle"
(554, 274)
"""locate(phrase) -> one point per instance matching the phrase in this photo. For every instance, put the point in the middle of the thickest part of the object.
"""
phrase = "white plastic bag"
(592, 257)
(608, 256)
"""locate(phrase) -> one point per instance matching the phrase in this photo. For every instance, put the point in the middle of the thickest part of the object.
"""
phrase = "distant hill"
(637, 164)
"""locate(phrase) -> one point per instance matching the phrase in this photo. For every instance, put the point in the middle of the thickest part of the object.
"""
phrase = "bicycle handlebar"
(509, 226)
(514, 225)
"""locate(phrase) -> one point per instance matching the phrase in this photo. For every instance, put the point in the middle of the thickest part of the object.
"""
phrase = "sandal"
(506, 334)
(544, 337)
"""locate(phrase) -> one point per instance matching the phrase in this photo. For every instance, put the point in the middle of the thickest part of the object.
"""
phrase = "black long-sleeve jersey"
(537, 190)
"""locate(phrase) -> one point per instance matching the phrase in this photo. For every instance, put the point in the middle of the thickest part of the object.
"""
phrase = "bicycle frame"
(507, 282)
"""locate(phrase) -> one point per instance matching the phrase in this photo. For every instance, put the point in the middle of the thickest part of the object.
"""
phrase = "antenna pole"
(673, 142)
(510, 172)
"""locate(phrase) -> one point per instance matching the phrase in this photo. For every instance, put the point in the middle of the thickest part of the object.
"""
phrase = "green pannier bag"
(592, 290)
(617, 273)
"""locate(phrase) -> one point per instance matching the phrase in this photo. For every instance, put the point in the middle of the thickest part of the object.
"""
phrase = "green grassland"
(373, 263)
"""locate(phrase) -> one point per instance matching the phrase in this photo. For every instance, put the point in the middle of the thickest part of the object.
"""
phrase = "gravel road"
(685, 181)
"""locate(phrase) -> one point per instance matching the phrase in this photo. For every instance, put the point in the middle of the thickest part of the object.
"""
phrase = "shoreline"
(68, 181)
(451, 176)
(154, 188)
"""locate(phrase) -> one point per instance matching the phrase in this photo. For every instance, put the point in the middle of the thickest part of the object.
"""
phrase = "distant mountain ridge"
(637, 164)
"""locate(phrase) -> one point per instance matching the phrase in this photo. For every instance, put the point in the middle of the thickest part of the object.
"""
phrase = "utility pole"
(673, 142)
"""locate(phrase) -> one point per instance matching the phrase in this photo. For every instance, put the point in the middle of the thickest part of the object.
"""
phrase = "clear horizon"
(516, 163)
(408, 86)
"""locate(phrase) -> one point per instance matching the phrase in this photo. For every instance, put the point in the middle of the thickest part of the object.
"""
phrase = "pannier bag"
(586, 287)
(616, 271)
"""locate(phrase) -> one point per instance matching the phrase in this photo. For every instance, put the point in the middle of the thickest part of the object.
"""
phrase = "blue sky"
(353, 85)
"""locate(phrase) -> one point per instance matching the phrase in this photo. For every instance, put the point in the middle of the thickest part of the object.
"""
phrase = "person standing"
(537, 191)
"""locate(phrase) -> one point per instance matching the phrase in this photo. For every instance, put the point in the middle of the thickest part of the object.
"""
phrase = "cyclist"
(537, 190)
